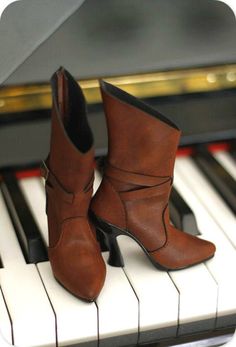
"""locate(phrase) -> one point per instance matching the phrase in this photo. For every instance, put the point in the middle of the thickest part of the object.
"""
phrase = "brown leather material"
(113, 210)
(140, 165)
(76, 259)
(74, 252)
(71, 206)
(134, 136)
(177, 252)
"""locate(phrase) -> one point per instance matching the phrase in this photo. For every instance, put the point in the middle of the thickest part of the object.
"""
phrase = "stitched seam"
(136, 173)
(63, 232)
(146, 197)
(83, 195)
(166, 233)
(58, 188)
(146, 188)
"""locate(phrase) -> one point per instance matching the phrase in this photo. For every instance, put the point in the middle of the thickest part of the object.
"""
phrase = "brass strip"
(36, 97)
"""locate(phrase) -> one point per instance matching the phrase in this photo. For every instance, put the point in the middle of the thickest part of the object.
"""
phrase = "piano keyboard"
(138, 303)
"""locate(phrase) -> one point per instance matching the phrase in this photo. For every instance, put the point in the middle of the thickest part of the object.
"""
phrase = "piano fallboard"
(202, 117)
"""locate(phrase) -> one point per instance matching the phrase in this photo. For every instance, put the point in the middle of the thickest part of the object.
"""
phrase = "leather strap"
(145, 193)
(150, 185)
(52, 183)
(134, 178)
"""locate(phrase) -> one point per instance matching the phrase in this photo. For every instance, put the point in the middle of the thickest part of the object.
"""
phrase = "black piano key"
(181, 215)
(27, 231)
(234, 155)
(221, 180)
(232, 151)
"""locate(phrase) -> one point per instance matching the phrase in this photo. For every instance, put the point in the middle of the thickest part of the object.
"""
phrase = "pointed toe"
(76, 260)
(92, 291)
(91, 286)
(183, 250)
(208, 249)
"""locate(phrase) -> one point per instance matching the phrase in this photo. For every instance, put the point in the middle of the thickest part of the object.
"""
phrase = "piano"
(190, 77)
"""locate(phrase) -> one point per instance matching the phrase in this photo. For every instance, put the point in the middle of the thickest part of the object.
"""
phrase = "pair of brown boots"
(132, 199)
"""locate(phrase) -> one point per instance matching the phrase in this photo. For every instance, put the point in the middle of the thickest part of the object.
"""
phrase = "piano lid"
(112, 37)
(25, 24)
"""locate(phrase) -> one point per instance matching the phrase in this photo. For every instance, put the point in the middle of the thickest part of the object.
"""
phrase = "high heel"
(101, 238)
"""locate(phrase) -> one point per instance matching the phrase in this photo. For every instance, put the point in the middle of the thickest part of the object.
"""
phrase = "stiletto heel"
(102, 240)
(115, 256)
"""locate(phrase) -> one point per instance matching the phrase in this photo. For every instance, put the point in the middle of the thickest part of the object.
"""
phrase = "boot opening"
(72, 107)
(131, 100)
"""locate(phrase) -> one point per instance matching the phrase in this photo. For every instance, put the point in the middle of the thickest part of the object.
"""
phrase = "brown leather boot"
(74, 252)
(133, 197)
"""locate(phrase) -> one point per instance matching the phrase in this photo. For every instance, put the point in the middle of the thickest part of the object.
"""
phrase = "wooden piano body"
(180, 58)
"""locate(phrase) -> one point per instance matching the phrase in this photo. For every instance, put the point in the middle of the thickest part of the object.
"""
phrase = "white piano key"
(5, 323)
(118, 309)
(76, 320)
(157, 295)
(198, 299)
(97, 181)
(32, 317)
(207, 225)
(10, 251)
(209, 197)
(34, 194)
(23, 291)
(215, 341)
(222, 265)
(232, 341)
(225, 159)
(3, 341)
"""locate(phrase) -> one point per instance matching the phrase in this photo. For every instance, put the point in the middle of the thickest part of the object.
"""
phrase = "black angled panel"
(181, 215)
(27, 231)
(224, 184)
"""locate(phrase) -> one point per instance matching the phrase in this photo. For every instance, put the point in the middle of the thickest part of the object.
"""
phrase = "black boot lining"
(75, 123)
(132, 100)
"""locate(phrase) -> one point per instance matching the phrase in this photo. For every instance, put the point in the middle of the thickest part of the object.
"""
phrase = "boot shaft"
(140, 139)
